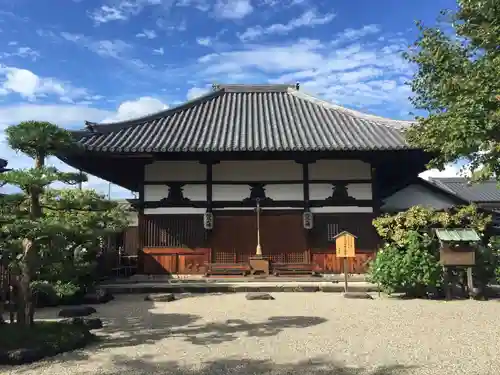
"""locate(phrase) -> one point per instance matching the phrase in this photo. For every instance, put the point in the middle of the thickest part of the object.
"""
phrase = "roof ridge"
(256, 87)
(118, 125)
(379, 120)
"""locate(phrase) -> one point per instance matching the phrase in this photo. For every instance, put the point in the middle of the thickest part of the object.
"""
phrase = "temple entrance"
(282, 238)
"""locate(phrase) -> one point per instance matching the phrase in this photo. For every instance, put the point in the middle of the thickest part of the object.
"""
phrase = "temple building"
(252, 171)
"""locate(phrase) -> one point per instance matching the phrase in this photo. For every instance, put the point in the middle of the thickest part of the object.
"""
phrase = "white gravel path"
(298, 333)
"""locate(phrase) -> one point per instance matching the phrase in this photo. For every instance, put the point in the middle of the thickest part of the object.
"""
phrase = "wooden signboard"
(345, 245)
(345, 248)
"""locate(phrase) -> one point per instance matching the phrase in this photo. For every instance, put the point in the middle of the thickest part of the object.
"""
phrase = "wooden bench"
(228, 269)
(293, 269)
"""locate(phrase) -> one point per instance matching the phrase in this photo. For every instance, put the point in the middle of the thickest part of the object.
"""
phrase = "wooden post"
(470, 282)
(346, 264)
(345, 248)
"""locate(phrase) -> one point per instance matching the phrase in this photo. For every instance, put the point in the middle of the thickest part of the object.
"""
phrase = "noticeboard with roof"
(458, 246)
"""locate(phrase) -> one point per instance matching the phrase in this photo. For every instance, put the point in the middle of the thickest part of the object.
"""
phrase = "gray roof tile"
(487, 191)
(249, 118)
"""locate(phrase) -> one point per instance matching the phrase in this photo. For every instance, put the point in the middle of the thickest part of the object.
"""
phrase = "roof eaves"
(378, 120)
(103, 128)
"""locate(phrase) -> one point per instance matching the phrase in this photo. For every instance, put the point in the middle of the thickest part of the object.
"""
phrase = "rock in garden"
(259, 296)
(357, 295)
(97, 296)
(163, 297)
(75, 311)
(89, 323)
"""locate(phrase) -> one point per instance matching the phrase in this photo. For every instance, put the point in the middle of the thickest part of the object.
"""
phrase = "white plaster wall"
(175, 171)
(416, 195)
(292, 192)
(230, 192)
(323, 191)
(268, 170)
(339, 170)
(153, 193)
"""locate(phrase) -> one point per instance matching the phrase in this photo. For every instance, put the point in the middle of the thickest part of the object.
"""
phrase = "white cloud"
(195, 92)
(233, 9)
(149, 34)
(120, 10)
(23, 52)
(116, 49)
(450, 170)
(159, 51)
(30, 86)
(131, 109)
(72, 116)
(309, 18)
(342, 70)
(207, 41)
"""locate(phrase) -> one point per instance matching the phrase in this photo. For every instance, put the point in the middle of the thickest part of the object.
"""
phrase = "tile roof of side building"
(3, 165)
(487, 191)
(249, 118)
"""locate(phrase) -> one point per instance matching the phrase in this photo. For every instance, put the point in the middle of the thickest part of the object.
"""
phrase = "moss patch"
(24, 345)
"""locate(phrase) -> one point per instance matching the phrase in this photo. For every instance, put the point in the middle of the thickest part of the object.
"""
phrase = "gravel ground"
(298, 333)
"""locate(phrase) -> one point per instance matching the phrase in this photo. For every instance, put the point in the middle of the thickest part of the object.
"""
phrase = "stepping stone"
(97, 296)
(163, 297)
(357, 295)
(76, 311)
(89, 323)
(259, 296)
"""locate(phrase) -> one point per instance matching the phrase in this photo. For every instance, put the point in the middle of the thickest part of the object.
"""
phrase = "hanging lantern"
(208, 220)
(307, 220)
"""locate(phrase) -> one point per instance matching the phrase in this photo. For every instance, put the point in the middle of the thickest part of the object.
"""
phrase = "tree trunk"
(25, 308)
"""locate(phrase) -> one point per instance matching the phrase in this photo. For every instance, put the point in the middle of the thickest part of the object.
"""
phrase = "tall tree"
(40, 222)
(457, 84)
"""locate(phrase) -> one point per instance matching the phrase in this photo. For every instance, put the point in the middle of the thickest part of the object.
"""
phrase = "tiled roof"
(249, 118)
(487, 191)
(457, 235)
(3, 165)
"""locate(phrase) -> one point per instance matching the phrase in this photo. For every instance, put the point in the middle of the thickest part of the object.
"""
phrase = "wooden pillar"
(375, 192)
(305, 184)
(209, 179)
(209, 185)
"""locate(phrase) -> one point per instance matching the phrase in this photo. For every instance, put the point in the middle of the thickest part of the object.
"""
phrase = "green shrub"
(411, 270)
(409, 261)
(52, 294)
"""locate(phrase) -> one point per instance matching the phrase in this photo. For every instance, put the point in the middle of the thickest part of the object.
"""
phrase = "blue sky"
(67, 61)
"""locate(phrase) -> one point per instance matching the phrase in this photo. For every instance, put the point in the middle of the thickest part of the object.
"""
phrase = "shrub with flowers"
(409, 260)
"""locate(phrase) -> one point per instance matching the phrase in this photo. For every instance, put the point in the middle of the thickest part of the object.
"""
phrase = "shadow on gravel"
(148, 365)
(143, 327)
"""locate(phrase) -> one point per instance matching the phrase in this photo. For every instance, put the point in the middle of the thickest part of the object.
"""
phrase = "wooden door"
(234, 237)
(283, 238)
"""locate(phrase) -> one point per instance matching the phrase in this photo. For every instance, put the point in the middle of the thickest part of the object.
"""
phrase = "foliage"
(395, 228)
(51, 234)
(457, 84)
(412, 269)
(409, 262)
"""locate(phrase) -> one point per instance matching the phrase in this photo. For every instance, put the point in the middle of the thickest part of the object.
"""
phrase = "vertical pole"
(470, 281)
(109, 191)
(80, 183)
(258, 250)
(346, 264)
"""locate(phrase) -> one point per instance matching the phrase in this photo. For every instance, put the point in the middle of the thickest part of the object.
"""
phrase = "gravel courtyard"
(297, 333)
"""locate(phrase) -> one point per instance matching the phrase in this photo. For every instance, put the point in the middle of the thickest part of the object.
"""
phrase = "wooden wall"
(179, 243)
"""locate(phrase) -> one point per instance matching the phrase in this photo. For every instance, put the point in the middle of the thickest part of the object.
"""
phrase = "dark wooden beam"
(289, 182)
(264, 204)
